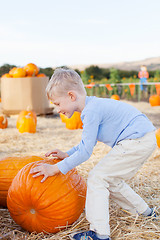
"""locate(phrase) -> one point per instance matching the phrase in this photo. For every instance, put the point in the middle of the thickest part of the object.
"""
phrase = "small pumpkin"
(41, 75)
(27, 121)
(63, 117)
(49, 206)
(6, 75)
(158, 137)
(9, 167)
(74, 122)
(3, 121)
(19, 73)
(31, 69)
(154, 100)
(115, 97)
(11, 72)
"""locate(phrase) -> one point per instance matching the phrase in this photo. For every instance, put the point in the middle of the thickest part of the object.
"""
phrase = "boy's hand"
(57, 153)
(45, 169)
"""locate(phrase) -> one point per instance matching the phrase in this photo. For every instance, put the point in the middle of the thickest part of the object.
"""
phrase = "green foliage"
(114, 76)
(47, 71)
(106, 73)
(77, 71)
(85, 77)
(94, 71)
(157, 74)
(151, 73)
(127, 74)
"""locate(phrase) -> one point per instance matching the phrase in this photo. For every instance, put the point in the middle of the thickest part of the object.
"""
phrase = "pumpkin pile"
(9, 167)
(49, 206)
(74, 122)
(27, 122)
(30, 70)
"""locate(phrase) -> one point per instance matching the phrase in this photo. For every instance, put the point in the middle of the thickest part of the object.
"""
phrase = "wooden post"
(92, 91)
(139, 93)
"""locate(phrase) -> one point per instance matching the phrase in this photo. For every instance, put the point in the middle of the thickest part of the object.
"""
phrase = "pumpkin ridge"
(17, 204)
(69, 190)
(51, 161)
(45, 207)
(34, 183)
(51, 183)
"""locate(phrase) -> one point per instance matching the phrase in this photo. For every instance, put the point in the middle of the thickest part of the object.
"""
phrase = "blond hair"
(64, 80)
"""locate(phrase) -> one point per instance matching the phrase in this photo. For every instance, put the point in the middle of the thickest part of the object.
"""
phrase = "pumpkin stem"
(34, 73)
(28, 108)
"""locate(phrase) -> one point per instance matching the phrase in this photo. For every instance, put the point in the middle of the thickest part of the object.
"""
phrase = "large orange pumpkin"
(31, 69)
(154, 100)
(27, 121)
(9, 167)
(115, 97)
(19, 73)
(49, 206)
(3, 121)
(74, 122)
(158, 137)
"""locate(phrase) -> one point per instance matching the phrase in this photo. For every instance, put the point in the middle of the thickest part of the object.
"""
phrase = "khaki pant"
(106, 180)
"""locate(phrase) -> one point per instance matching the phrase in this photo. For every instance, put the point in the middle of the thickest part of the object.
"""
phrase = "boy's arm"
(72, 150)
(85, 148)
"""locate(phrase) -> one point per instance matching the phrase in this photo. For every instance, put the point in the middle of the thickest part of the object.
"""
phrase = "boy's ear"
(72, 95)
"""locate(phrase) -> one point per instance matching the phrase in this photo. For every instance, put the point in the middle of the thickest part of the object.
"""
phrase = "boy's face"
(64, 104)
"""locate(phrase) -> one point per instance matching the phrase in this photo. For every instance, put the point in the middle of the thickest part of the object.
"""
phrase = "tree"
(47, 71)
(94, 71)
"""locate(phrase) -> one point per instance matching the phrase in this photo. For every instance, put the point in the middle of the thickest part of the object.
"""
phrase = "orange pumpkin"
(115, 97)
(49, 206)
(31, 69)
(74, 122)
(9, 168)
(12, 71)
(41, 75)
(63, 117)
(154, 100)
(26, 122)
(19, 73)
(6, 75)
(158, 137)
(3, 121)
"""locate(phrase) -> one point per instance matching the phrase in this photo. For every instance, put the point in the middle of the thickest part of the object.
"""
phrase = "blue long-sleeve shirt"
(108, 121)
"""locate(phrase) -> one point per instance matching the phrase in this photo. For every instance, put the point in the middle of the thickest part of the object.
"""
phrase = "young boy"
(119, 125)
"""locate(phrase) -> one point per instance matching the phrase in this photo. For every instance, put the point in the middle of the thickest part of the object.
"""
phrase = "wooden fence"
(129, 91)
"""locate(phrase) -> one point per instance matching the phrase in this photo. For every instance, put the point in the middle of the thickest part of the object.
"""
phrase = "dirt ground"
(51, 133)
